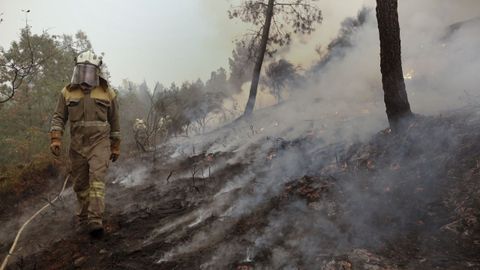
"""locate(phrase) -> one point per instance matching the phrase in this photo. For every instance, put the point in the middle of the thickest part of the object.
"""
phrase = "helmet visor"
(85, 73)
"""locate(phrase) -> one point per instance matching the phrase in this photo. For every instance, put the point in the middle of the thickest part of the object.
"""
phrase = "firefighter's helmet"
(87, 69)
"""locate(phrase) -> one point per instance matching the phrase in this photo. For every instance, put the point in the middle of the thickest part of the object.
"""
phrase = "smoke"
(342, 105)
(442, 62)
(128, 178)
(439, 71)
(57, 218)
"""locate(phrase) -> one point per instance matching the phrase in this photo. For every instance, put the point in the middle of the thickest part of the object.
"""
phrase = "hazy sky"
(145, 39)
(160, 40)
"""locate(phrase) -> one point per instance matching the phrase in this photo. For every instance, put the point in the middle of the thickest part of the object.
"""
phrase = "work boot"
(81, 226)
(95, 229)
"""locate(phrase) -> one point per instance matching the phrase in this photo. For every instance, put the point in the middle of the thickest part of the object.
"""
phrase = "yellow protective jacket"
(93, 117)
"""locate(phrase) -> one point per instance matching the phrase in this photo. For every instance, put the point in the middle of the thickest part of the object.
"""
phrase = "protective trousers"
(88, 174)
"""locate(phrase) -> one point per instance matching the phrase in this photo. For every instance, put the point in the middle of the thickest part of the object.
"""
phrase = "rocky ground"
(405, 201)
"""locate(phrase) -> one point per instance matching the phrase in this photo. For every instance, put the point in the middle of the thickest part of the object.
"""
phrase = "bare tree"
(395, 94)
(14, 74)
(276, 20)
(156, 119)
(16, 69)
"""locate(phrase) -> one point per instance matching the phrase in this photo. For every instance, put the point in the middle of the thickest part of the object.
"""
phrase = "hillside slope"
(407, 201)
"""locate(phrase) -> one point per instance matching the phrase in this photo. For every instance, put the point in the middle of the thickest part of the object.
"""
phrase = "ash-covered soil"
(404, 201)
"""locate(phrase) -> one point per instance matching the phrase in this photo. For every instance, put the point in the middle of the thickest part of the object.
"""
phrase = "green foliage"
(25, 119)
(241, 66)
(289, 18)
(281, 75)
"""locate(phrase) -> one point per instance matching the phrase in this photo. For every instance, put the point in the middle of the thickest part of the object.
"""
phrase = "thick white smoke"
(342, 103)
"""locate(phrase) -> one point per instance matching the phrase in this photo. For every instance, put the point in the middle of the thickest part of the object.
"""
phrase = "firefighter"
(91, 107)
(140, 134)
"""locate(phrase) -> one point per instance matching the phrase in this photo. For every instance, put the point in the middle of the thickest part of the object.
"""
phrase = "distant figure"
(92, 108)
(141, 135)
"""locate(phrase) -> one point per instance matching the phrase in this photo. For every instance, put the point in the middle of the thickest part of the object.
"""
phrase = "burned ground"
(396, 201)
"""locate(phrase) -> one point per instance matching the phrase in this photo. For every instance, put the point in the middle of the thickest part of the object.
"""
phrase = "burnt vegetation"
(322, 179)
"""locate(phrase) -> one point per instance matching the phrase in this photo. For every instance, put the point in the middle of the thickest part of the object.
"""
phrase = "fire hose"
(17, 237)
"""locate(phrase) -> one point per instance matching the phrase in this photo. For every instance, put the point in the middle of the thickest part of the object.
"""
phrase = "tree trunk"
(261, 55)
(395, 94)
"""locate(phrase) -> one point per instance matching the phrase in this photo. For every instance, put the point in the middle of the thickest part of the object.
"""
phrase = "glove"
(55, 142)
(114, 149)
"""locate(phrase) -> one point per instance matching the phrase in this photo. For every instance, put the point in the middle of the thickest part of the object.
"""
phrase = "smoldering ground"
(348, 110)
(376, 188)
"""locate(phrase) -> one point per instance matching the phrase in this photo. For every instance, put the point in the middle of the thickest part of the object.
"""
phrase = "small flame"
(409, 75)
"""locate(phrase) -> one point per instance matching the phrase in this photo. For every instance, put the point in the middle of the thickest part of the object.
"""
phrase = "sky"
(164, 41)
(151, 40)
